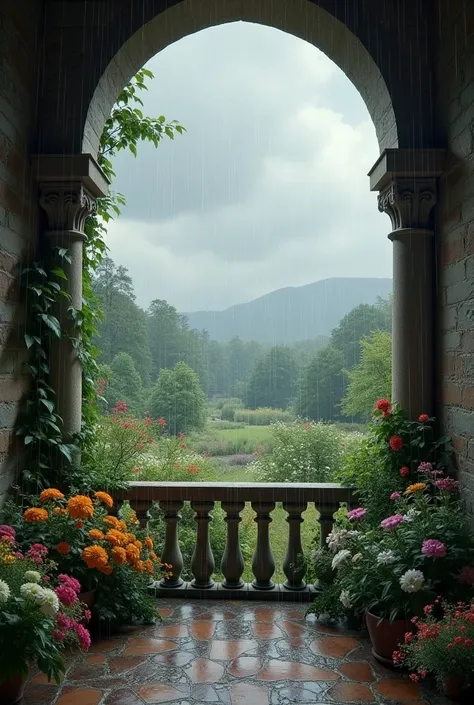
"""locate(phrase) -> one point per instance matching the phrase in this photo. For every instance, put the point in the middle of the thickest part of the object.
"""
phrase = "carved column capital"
(408, 202)
(67, 205)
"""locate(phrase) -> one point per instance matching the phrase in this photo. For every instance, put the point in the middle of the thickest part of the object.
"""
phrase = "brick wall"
(18, 211)
(455, 128)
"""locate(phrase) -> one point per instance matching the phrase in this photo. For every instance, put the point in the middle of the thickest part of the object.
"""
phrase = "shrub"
(228, 412)
(177, 397)
(170, 460)
(261, 417)
(310, 452)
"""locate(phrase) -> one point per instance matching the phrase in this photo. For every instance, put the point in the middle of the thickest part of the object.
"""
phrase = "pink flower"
(63, 621)
(70, 582)
(467, 575)
(59, 635)
(423, 418)
(358, 513)
(414, 677)
(434, 548)
(404, 471)
(6, 530)
(447, 484)
(83, 635)
(66, 595)
(427, 469)
(383, 405)
(87, 616)
(427, 609)
(37, 552)
(392, 522)
(395, 495)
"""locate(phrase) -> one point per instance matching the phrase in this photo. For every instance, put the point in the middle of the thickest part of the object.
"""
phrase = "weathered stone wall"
(18, 211)
(453, 36)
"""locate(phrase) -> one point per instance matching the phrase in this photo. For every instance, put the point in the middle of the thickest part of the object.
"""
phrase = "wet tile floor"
(229, 653)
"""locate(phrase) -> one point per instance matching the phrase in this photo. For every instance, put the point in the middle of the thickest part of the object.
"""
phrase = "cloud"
(268, 186)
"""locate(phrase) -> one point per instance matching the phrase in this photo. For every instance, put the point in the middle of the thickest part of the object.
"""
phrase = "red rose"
(396, 442)
(423, 418)
(404, 471)
(383, 405)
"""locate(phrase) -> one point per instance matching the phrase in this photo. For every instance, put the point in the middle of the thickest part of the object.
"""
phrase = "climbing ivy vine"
(43, 285)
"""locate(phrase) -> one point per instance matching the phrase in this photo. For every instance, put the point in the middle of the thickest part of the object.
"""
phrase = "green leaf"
(29, 340)
(48, 404)
(59, 273)
(52, 323)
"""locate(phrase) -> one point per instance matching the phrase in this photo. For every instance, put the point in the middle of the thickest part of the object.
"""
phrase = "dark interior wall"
(453, 35)
(19, 32)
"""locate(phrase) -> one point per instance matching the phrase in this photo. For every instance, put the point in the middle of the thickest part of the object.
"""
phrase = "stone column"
(69, 186)
(407, 185)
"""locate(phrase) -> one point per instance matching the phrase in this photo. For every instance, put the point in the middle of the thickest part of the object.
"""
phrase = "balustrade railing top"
(327, 498)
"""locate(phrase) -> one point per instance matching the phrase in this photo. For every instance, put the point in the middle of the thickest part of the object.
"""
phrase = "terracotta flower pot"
(87, 597)
(452, 687)
(386, 636)
(11, 690)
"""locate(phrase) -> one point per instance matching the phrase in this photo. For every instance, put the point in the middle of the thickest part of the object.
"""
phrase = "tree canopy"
(371, 379)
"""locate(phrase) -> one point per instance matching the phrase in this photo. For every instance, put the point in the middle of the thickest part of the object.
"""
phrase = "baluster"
(326, 521)
(141, 508)
(202, 563)
(171, 553)
(232, 565)
(294, 565)
(263, 564)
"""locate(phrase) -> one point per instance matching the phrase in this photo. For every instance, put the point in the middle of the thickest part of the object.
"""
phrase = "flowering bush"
(442, 646)
(119, 440)
(103, 552)
(389, 458)
(310, 452)
(422, 549)
(170, 460)
(40, 612)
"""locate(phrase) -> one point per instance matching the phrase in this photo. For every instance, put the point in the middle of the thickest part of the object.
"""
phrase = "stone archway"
(100, 46)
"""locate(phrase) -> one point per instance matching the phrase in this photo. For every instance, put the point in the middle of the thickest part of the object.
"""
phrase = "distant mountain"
(292, 314)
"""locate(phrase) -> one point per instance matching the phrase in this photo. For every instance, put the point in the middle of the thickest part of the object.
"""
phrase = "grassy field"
(216, 441)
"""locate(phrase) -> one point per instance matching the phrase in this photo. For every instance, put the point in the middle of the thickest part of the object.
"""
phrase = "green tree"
(356, 324)
(272, 381)
(321, 386)
(372, 378)
(125, 384)
(178, 397)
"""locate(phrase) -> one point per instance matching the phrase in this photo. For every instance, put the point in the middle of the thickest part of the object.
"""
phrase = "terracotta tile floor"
(229, 654)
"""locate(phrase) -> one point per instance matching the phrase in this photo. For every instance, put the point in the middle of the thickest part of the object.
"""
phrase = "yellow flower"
(80, 507)
(35, 514)
(417, 487)
(95, 534)
(50, 495)
(105, 499)
(8, 559)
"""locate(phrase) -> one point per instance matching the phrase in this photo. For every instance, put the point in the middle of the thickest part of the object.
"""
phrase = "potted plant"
(39, 614)
(442, 647)
(111, 557)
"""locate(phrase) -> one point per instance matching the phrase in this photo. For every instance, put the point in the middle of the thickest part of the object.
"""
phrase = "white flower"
(385, 557)
(412, 581)
(4, 591)
(340, 557)
(411, 515)
(50, 602)
(32, 576)
(345, 598)
(357, 557)
(32, 591)
(338, 539)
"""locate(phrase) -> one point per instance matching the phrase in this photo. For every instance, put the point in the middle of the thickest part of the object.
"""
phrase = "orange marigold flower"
(119, 555)
(138, 544)
(95, 556)
(80, 507)
(106, 569)
(111, 521)
(105, 499)
(50, 494)
(35, 514)
(122, 526)
(153, 556)
(148, 543)
(149, 567)
(60, 511)
(417, 487)
(95, 534)
(63, 548)
(116, 538)
(130, 538)
(79, 524)
(133, 554)
(139, 566)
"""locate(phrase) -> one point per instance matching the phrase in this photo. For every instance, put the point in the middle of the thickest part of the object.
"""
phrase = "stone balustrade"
(295, 498)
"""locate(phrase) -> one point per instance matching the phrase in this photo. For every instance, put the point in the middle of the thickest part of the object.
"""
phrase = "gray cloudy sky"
(268, 186)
